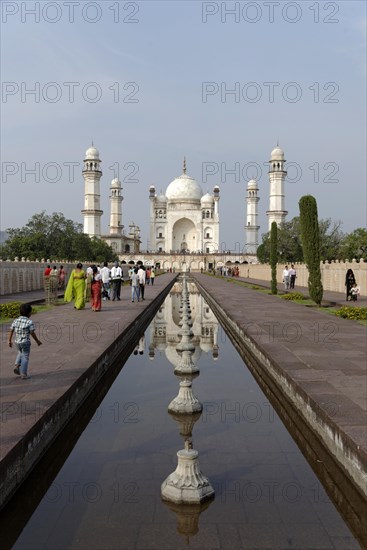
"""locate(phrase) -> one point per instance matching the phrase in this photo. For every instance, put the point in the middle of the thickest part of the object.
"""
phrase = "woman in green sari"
(75, 289)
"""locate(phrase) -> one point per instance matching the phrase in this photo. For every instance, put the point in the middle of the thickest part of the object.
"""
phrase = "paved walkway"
(71, 341)
(329, 297)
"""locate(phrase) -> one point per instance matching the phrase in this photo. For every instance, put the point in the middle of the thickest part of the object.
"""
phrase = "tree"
(263, 250)
(354, 245)
(310, 235)
(331, 238)
(289, 242)
(289, 247)
(274, 256)
(54, 236)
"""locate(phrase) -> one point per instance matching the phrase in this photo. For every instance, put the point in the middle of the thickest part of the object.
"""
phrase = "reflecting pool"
(108, 492)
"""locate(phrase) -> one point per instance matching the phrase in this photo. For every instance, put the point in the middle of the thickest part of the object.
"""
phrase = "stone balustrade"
(25, 275)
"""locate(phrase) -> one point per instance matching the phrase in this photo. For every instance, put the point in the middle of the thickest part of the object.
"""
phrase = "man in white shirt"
(286, 277)
(141, 275)
(292, 276)
(116, 276)
(105, 274)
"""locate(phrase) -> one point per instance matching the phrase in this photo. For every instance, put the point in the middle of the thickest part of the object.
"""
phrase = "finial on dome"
(184, 165)
(92, 143)
(278, 142)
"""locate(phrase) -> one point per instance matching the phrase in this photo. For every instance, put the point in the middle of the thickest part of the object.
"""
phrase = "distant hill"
(3, 236)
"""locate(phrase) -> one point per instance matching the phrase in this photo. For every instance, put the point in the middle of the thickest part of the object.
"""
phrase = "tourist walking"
(292, 276)
(141, 275)
(116, 277)
(96, 290)
(53, 286)
(349, 282)
(23, 328)
(46, 283)
(152, 276)
(105, 274)
(135, 288)
(61, 278)
(286, 277)
(75, 289)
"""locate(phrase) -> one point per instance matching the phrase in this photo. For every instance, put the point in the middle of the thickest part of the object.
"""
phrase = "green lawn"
(35, 309)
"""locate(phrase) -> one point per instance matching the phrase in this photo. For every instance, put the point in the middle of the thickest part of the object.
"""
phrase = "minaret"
(116, 210)
(92, 199)
(216, 192)
(276, 212)
(251, 227)
(152, 233)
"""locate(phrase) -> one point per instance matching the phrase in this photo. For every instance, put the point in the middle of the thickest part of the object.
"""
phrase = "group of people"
(352, 289)
(225, 271)
(53, 280)
(289, 277)
(56, 277)
(98, 284)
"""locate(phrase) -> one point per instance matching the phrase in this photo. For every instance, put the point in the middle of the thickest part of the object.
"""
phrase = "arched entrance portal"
(184, 236)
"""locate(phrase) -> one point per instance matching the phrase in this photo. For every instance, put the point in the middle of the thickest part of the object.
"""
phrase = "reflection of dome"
(184, 188)
(206, 346)
(207, 199)
(174, 358)
(277, 153)
(116, 183)
(92, 153)
(188, 517)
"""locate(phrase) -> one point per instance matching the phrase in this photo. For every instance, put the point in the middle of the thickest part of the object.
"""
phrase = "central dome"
(184, 188)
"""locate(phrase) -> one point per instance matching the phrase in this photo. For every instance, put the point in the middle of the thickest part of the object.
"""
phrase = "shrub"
(310, 235)
(293, 296)
(274, 256)
(9, 310)
(350, 312)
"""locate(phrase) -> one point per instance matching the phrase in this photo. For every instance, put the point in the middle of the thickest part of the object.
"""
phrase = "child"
(23, 328)
(354, 292)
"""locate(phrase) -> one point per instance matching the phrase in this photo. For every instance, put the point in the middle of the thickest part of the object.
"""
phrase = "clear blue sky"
(169, 55)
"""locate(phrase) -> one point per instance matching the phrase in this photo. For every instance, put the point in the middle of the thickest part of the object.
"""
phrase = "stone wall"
(25, 275)
(333, 274)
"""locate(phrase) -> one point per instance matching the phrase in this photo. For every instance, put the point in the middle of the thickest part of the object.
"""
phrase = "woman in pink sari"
(96, 290)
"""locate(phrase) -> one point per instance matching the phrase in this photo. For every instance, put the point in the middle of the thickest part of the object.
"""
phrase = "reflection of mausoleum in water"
(166, 325)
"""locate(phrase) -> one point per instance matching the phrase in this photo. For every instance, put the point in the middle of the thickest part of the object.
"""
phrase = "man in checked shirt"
(24, 329)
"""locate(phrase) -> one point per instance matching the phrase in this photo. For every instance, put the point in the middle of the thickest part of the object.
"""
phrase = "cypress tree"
(310, 236)
(274, 256)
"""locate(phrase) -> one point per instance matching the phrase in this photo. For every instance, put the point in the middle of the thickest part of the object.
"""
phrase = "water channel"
(101, 489)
